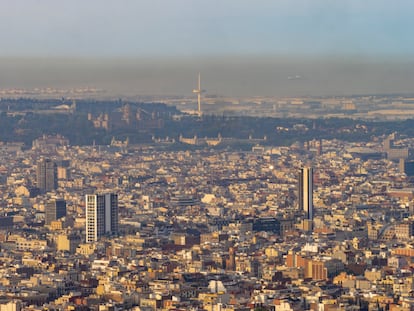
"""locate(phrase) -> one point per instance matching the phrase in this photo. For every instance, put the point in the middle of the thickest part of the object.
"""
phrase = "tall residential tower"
(101, 215)
(306, 192)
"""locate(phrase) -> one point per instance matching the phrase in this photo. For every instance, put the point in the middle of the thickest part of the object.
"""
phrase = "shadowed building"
(306, 192)
(54, 210)
(407, 167)
(306, 196)
(46, 175)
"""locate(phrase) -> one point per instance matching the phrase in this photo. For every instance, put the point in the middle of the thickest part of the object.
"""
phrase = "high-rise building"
(306, 192)
(54, 209)
(407, 167)
(46, 175)
(101, 215)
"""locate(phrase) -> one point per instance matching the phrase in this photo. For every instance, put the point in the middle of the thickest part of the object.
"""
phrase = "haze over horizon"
(242, 49)
(235, 77)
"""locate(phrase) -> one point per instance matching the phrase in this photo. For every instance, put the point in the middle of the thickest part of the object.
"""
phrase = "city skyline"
(206, 155)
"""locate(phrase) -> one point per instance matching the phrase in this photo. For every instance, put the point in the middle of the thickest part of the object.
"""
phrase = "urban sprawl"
(322, 224)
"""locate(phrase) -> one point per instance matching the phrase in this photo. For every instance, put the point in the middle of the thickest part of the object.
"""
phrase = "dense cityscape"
(206, 155)
(204, 223)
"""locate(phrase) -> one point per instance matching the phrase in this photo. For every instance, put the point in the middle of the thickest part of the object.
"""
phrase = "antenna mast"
(198, 91)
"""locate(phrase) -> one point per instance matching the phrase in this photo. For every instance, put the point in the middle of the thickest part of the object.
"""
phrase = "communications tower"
(198, 91)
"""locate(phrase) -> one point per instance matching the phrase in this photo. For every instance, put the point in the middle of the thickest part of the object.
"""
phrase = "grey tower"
(46, 175)
(54, 210)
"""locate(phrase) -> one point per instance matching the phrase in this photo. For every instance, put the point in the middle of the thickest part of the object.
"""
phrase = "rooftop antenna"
(198, 91)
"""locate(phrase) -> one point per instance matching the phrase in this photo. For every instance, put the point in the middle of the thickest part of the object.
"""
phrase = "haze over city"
(275, 48)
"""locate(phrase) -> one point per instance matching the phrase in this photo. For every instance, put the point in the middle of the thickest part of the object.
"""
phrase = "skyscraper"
(306, 192)
(46, 175)
(101, 215)
(54, 209)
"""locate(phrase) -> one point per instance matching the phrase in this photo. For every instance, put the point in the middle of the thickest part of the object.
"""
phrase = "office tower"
(46, 175)
(306, 192)
(407, 167)
(101, 215)
(54, 210)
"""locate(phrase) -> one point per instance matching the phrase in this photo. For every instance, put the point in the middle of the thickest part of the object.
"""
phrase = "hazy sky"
(241, 47)
(137, 28)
